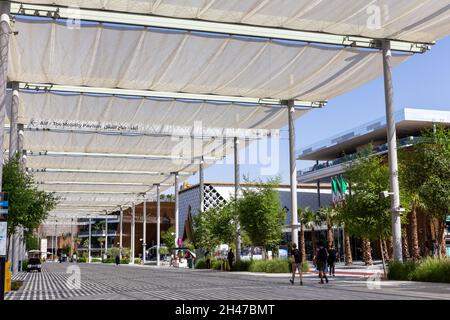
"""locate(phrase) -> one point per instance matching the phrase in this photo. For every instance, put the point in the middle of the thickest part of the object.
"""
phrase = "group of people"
(324, 260)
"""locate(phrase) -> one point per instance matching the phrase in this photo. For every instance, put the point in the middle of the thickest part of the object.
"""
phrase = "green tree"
(364, 213)
(215, 226)
(427, 172)
(31, 241)
(261, 215)
(28, 206)
(168, 238)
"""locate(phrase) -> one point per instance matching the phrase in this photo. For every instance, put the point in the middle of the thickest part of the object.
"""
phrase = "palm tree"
(77, 242)
(328, 215)
(310, 221)
(340, 220)
(101, 240)
(416, 205)
(304, 216)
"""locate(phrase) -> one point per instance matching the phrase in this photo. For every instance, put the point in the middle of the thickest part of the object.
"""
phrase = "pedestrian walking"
(117, 260)
(208, 259)
(332, 260)
(297, 261)
(230, 259)
(321, 261)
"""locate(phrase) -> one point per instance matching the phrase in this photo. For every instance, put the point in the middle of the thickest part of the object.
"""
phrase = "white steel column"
(133, 229)
(158, 222)
(293, 172)
(90, 238)
(55, 249)
(236, 194)
(5, 8)
(121, 233)
(22, 161)
(106, 237)
(5, 31)
(392, 155)
(13, 151)
(176, 211)
(144, 230)
(201, 186)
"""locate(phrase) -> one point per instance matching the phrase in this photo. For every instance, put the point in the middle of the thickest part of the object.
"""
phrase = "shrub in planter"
(305, 266)
(216, 264)
(109, 260)
(277, 266)
(200, 263)
(137, 260)
(82, 259)
(124, 261)
(433, 270)
(16, 284)
(258, 266)
(402, 271)
(241, 265)
(25, 265)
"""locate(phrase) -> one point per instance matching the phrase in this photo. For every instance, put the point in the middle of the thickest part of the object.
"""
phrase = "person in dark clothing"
(208, 260)
(297, 260)
(332, 260)
(230, 258)
(321, 261)
(117, 260)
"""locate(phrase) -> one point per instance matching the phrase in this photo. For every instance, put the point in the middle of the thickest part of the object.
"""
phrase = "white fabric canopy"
(410, 20)
(63, 113)
(141, 58)
(149, 59)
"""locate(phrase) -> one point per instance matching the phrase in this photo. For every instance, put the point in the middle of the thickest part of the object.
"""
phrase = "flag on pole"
(344, 185)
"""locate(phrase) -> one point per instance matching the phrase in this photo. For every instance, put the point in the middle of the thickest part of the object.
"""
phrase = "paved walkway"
(99, 281)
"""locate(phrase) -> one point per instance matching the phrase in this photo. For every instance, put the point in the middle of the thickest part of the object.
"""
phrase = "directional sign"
(3, 211)
(4, 204)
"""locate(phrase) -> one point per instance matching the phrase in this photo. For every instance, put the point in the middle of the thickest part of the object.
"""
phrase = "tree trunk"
(251, 253)
(385, 251)
(330, 235)
(415, 250)
(390, 249)
(382, 258)
(313, 240)
(405, 248)
(348, 250)
(442, 250)
(367, 252)
(302, 242)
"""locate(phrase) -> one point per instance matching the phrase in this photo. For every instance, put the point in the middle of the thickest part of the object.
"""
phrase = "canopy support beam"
(117, 155)
(230, 29)
(118, 172)
(266, 102)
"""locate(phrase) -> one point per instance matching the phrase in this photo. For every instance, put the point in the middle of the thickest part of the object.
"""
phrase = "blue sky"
(423, 81)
